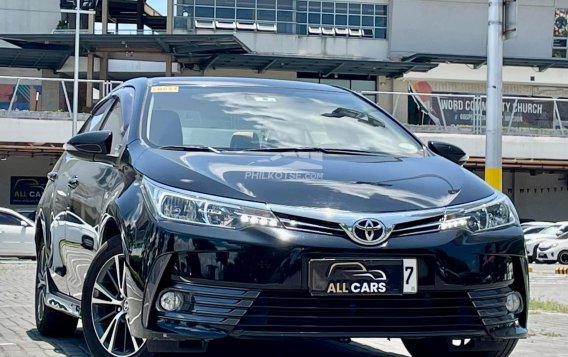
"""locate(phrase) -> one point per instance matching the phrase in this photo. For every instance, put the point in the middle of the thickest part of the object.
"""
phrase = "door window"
(114, 123)
(95, 119)
(7, 219)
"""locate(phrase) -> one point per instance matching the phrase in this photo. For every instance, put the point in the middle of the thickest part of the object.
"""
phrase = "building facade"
(429, 52)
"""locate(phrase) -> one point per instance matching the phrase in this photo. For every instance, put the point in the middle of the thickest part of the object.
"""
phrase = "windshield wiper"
(190, 148)
(319, 149)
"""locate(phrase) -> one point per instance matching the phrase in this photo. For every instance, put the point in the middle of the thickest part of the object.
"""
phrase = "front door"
(94, 183)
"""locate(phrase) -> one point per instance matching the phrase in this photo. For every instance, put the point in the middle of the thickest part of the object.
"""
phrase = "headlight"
(547, 246)
(494, 214)
(178, 205)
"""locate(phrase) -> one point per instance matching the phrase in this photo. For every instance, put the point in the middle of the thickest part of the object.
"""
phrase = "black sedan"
(193, 209)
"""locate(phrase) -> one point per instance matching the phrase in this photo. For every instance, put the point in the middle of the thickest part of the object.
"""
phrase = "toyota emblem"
(368, 231)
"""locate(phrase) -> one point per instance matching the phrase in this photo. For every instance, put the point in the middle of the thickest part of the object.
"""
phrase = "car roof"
(15, 213)
(242, 82)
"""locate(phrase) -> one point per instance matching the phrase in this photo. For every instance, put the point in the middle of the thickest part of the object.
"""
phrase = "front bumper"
(254, 284)
(546, 255)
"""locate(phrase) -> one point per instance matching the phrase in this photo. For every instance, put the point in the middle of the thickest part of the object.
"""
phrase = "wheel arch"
(109, 228)
(40, 229)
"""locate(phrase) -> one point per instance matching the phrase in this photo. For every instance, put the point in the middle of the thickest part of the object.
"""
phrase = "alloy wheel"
(109, 306)
(41, 283)
(563, 257)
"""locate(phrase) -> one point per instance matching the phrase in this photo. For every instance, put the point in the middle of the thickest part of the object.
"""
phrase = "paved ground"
(18, 336)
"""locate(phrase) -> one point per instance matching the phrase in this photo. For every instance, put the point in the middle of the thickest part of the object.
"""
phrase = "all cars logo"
(355, 278)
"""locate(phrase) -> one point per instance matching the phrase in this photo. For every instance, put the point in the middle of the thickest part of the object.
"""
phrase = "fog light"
(514, 302)
(171, 301)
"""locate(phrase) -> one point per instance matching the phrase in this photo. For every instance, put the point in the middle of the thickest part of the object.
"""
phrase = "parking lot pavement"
(19, 337)
(548, 286)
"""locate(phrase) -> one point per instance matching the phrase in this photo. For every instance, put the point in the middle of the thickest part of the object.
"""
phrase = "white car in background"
(535, 228)
(16, 235)
(533, 240)
(554, 250)
(536, 223)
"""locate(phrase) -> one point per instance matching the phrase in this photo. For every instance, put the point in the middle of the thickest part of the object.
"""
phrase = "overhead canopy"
(167, 44)
(204, 51)
(540, 63)
(33, 55)
(324, 67)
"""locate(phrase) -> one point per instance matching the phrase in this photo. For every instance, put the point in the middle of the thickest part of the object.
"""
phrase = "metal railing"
(21, 95)
(466, 113)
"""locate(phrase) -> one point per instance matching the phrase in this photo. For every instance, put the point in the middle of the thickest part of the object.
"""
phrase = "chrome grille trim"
(331, 221)
(299, 225)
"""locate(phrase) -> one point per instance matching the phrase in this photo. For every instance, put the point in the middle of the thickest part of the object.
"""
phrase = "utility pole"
(78, 12)
(502, 25)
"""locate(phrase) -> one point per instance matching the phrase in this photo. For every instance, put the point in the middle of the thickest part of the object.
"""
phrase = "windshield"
(256, 118)
(550, 230)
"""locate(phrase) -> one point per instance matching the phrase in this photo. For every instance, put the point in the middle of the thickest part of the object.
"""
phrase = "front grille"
(298, 312)
(303, 224)
(421, 226)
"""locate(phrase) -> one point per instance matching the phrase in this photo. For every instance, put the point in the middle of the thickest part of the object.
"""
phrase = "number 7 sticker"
(410, 283)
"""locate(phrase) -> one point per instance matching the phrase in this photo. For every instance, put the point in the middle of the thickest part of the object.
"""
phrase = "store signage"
(26, 190)
(467, 109)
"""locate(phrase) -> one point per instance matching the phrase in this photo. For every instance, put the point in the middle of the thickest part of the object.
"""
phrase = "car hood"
(359, 183)
(539, 236)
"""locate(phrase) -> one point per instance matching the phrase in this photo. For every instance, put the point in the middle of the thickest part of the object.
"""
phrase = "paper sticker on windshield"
(165, 89)
(265, 99)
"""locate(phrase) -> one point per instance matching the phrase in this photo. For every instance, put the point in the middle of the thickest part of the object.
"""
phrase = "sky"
(160, 5)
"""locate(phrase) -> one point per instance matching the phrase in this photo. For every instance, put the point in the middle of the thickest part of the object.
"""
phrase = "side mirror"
(449, 151)
(93, 142)
(24, 223)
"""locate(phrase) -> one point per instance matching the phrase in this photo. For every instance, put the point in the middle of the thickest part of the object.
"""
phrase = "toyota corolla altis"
(194, 209)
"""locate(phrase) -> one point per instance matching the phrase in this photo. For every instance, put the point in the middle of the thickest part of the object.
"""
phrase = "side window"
(8, 220)
(114, 123)
(95, 119)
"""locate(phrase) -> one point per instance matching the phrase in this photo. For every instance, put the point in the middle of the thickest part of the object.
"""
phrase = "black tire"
(101, 272)
(563, 257)
(440, 347)
(49, 322)
(534, 255)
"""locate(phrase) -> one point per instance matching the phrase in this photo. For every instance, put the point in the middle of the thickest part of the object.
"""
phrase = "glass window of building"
(303, 17)
(560, 33)
(350, 82)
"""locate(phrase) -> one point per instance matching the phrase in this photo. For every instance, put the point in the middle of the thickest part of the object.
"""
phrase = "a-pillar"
(52, 98)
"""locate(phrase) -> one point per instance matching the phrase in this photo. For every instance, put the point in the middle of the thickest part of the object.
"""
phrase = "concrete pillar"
(90, 70)
(169, 31)
(169, 62)
(140, 15)
(51, 93)
(104, 16)
(386, 101)
(170, 17)
(91, 27)
(103, 72)
(400, 101)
